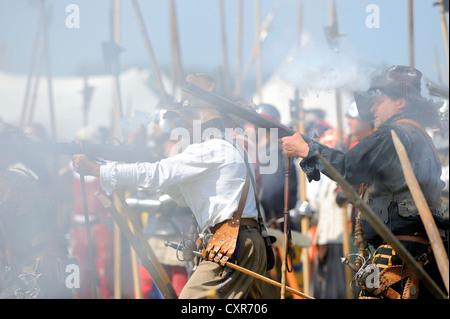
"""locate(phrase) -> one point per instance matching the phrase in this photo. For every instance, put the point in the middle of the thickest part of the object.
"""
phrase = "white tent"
(68, 100)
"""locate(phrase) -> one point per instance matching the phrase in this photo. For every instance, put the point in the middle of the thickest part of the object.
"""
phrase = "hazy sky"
(200, 33)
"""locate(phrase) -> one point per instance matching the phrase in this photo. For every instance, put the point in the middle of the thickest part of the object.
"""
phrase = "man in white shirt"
(208, 176)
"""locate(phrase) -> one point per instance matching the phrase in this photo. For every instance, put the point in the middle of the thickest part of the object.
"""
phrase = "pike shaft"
(89, 240)
(285, 242)
(250, 273)
(424, 211)
(142, 249)
(268, 280)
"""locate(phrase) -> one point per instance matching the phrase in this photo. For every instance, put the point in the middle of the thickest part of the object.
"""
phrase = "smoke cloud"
(133, 122)
(320, 68)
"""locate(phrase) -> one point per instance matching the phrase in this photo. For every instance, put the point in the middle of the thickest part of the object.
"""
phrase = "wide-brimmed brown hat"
(193, 107)
(399, 81)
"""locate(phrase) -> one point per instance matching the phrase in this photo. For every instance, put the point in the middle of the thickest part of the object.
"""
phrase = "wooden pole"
(258, 51)
(338, 100)
(137, 230)
(411, 32)
(117, 263)
(118, 105)
(345, 230)
(31, 69)
(260, 277)
(444, 27)
(117, 114)
(133, 256)
(177, 78)
(424, 211)
(259, 40)
(299, 25)
(436, 56)
(287, 165)
(291, 279)
(237, 89)
(346, 250)
(226, 80)
(265, 279)
(49, 74)
(36, 86)
(85, 101)
(287, 277)
(142, 248)
(304, 222)
(150, 53)
(173, 72)
(94, 278)
(135, 269)
(87, 95)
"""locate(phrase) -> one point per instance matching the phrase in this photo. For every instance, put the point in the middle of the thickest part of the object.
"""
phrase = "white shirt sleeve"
(162, 175)
(207, 177)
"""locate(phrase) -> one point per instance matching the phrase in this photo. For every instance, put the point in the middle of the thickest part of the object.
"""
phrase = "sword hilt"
(188, 251)
(174, 246)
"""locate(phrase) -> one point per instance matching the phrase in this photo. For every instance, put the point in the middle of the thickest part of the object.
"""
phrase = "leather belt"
(242, 222)
(414, 239)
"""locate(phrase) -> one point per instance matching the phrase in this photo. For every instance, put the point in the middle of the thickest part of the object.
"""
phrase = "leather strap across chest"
(223, 242)
(422, 130)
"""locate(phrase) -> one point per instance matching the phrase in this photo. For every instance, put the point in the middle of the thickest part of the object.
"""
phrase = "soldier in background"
(272, 194)
(101, 226)
(329, 279)
(32, 250)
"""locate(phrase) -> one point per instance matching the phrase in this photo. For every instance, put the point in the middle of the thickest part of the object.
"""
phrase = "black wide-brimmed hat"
(399, 81)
